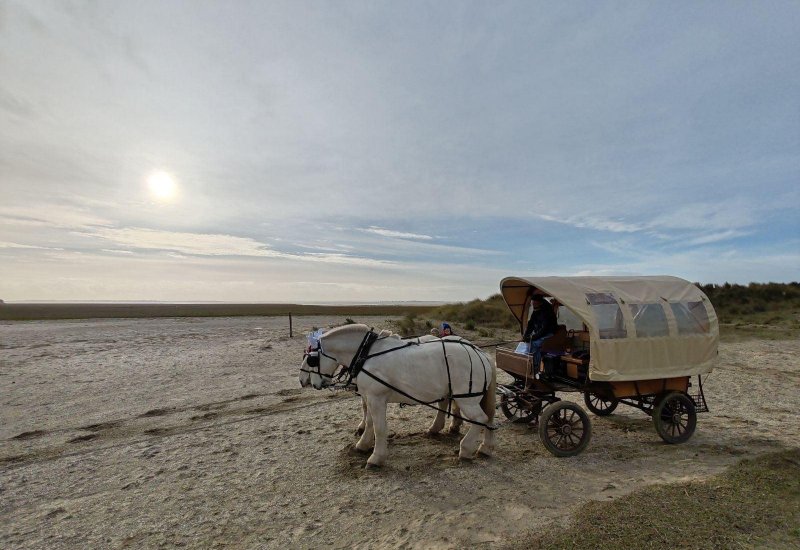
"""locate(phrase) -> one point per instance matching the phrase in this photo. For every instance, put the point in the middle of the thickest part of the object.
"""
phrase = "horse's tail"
(488, 400)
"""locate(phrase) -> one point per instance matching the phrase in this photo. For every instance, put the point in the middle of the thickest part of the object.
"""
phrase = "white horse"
(429, 371)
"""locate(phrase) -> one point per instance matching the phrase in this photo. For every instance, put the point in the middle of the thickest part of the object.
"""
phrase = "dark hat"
(446, 325)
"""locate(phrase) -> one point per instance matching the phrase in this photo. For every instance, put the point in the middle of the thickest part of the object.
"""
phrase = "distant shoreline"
(54, 311)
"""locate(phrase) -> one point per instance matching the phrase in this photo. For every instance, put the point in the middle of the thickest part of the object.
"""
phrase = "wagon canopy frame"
(640, 328)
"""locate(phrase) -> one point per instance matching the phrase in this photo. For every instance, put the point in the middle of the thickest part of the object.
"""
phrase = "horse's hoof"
(360, 450)
(462, 457)
(488, 453)
(371, 466)
(432, 433)
(453, 431)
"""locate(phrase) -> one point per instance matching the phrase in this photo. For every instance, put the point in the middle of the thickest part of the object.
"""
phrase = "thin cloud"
(597, 223)
(182, 244)
(717, 237)
(186, 243)
(341, 259)
(396, 234)
(26, 246)
(60, 216)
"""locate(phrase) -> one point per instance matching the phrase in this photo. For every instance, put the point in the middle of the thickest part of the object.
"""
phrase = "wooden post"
(290, 325)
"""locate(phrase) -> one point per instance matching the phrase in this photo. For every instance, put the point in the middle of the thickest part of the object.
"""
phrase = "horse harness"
(343, 379)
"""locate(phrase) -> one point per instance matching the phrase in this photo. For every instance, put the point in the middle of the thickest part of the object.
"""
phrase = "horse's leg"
(438, 422)
(377, 410)
(455, 421)
(471, 410)
(367, 437)
(363, 424)
(487, 447)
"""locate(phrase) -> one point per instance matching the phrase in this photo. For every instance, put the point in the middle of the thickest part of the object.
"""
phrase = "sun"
(162, 186)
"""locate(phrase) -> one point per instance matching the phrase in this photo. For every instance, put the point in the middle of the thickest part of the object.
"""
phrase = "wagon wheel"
(564, 428)
(516, 411)
(599, 405)
(675, 417)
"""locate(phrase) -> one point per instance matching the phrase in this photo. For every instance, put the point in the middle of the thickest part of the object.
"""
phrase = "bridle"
(311, 357)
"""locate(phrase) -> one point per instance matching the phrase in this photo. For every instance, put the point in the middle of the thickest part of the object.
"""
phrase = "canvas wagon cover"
(640, 328)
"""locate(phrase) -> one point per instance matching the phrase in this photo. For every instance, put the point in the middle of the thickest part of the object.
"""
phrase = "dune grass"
(755, 504)
(759, 310)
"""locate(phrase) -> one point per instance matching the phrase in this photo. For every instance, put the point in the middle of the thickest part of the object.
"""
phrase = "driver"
(541, 326)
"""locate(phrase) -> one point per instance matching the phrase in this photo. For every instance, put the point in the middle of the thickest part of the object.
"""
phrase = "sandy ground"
(194, 432)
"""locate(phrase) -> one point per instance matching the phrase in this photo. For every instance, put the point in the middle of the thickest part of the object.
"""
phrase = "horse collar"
(362, 354)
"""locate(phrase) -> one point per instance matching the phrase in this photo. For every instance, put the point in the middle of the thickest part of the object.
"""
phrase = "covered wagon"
(645, 342)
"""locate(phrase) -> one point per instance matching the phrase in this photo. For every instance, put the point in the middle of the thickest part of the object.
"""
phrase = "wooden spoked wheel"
(599, 405)
(518, 410)
(564, 428)
(675, 417)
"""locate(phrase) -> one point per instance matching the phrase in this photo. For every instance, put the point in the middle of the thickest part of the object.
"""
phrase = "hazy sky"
(362, 151)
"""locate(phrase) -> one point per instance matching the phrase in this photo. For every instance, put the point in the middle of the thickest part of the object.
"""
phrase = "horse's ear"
(384, 332)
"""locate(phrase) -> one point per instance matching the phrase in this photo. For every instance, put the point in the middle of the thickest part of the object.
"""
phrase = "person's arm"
(526, 337)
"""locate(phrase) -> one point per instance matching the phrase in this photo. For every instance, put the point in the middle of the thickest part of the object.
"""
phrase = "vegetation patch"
(489, 313)
(753, 504)
(759, 310)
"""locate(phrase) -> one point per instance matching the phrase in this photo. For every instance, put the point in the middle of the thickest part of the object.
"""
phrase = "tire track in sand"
(130, 432)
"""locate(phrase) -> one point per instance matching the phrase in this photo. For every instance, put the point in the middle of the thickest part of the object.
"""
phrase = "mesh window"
(692, 317)
(608, 315)
(569, 319)
(650, 320)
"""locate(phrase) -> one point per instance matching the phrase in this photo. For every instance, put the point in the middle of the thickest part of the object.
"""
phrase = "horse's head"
(326, 352)
(317, 368)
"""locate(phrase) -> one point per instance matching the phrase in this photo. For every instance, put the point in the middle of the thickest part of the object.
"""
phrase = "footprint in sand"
(30, 435)
(248, 396)
(156, 412)
(100, 426)
(157, 431)
(211, 407)
(206, 416)
(82, 438)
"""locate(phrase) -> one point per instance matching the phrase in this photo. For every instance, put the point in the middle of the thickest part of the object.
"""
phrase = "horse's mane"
(360, 328)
